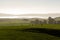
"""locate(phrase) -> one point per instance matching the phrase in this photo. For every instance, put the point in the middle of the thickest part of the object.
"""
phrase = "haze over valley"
(36, 15)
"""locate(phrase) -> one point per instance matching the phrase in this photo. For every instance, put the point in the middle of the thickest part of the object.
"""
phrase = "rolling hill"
(57, 18)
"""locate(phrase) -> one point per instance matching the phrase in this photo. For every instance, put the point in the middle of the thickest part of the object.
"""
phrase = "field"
(12, 31)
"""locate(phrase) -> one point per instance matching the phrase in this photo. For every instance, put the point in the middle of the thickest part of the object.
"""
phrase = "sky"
(17, 7)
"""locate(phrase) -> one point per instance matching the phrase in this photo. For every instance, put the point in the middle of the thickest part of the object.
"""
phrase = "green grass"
(18, 35)
(20, 26)
(10, 32)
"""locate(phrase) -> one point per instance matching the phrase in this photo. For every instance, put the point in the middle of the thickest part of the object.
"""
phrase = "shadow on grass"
(43, 30)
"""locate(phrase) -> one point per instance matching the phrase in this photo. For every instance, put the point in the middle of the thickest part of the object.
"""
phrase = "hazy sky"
(29, 6)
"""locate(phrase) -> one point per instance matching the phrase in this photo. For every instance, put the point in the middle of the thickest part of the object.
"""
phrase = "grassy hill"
(10, 29)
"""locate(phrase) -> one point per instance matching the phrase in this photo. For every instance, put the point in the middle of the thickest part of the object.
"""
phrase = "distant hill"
(40, 19)
(42, 15)
(57, 18)
(23, 20)
(3, 14)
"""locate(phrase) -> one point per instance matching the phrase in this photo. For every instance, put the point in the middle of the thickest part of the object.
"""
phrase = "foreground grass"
(19, 35)
(10, 32)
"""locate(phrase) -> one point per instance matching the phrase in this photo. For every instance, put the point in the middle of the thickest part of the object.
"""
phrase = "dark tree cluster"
(49, 21)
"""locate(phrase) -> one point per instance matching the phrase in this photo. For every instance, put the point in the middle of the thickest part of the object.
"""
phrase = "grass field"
(10, 32)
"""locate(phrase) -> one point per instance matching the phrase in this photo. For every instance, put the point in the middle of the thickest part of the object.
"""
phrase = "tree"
(44, 22)
(51, 20)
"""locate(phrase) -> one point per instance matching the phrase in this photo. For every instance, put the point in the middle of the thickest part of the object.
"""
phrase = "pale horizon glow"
(23, 17)
(17, 11)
